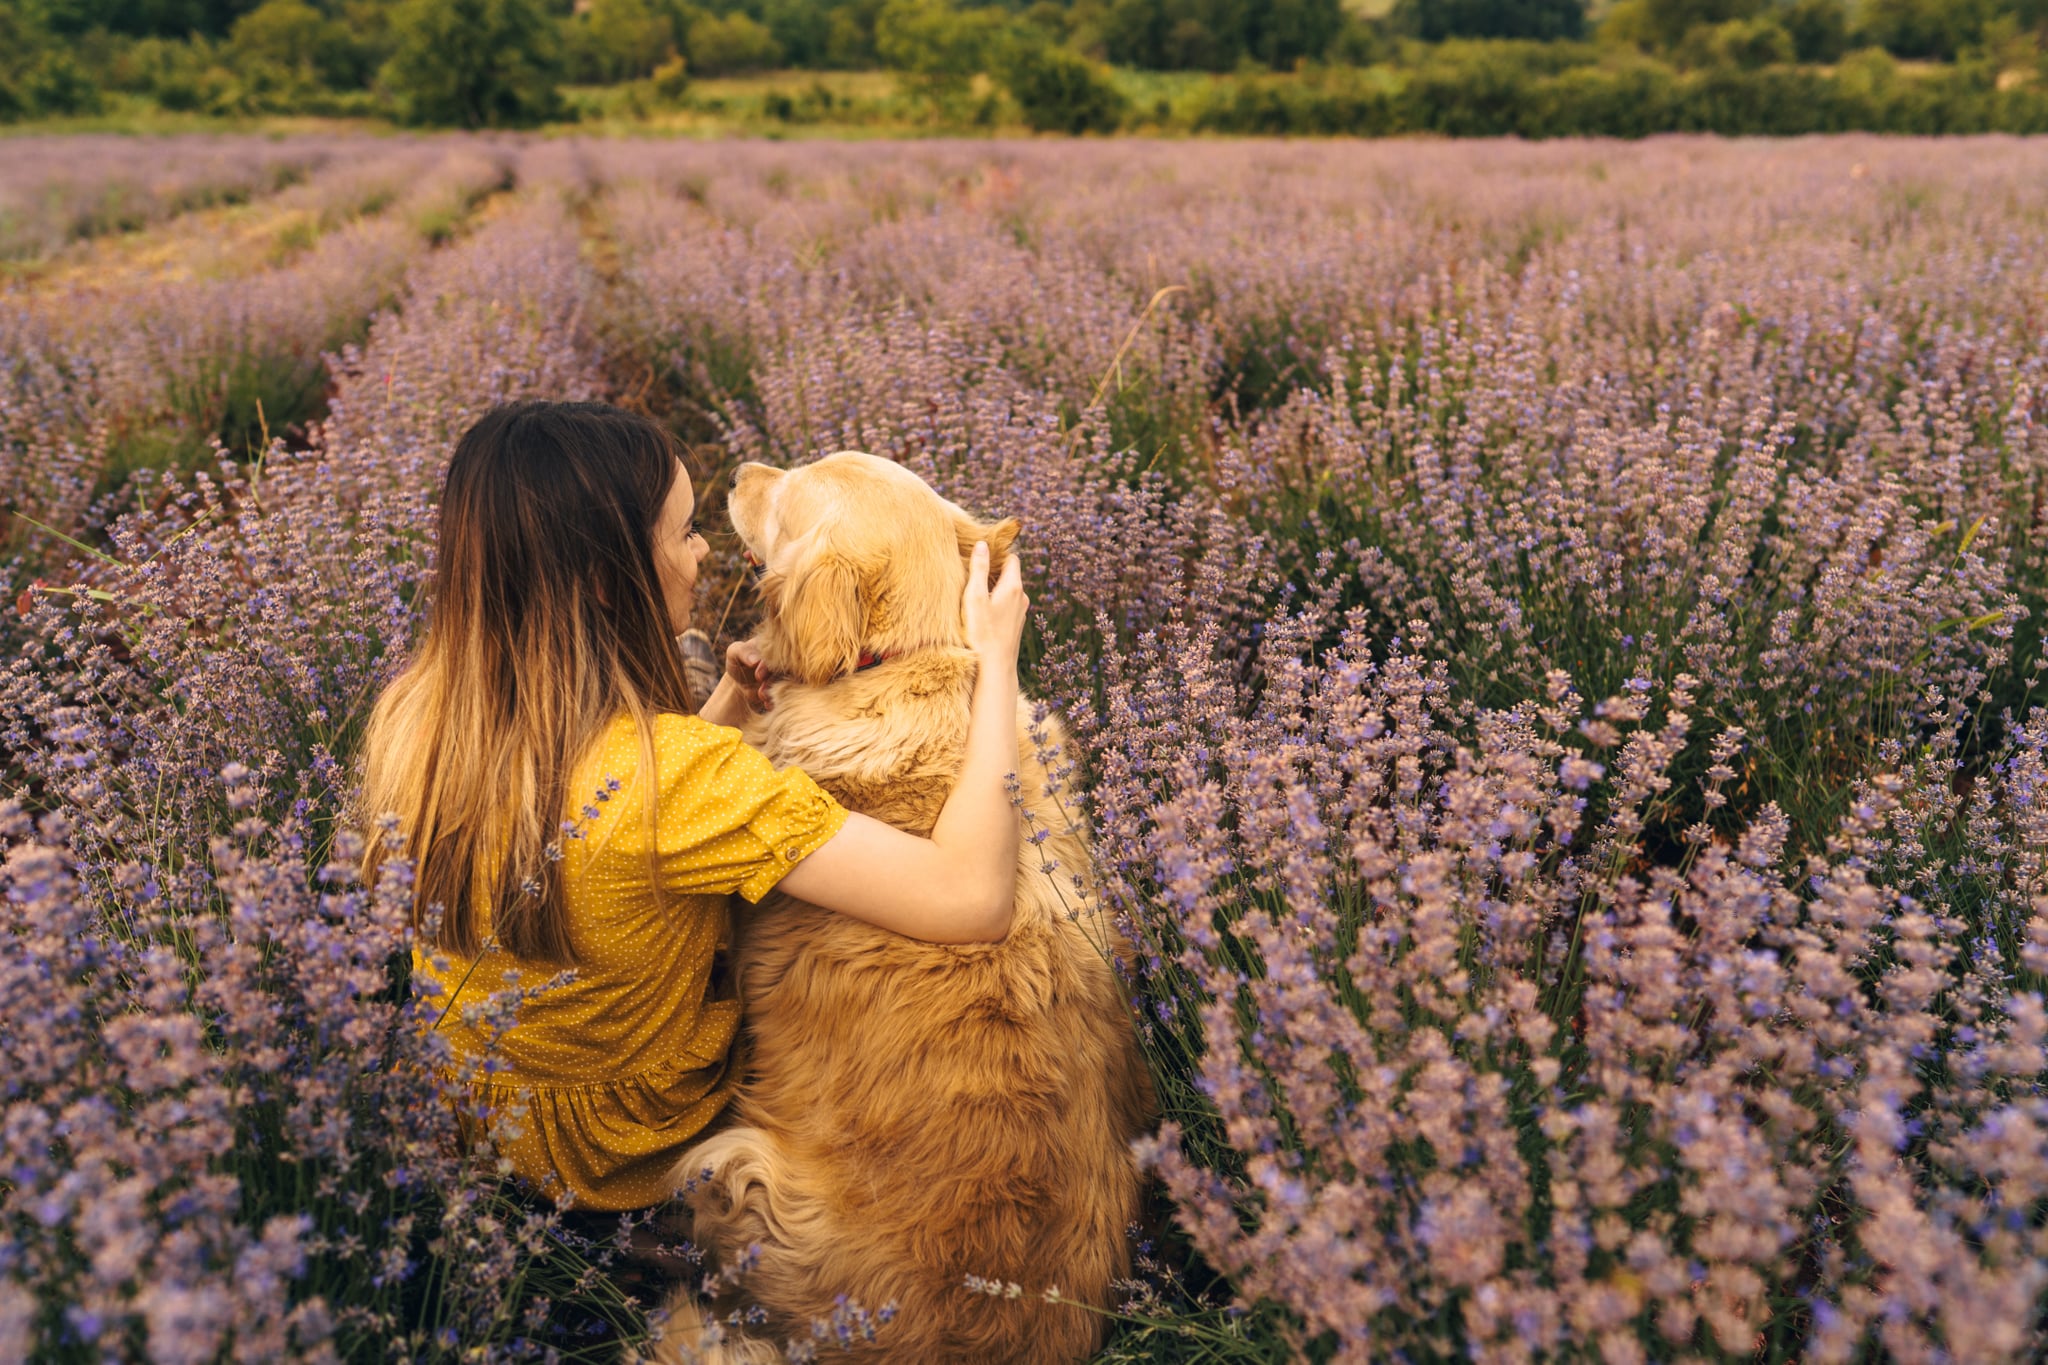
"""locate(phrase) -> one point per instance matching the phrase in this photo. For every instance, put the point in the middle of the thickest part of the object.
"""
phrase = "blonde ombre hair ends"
(547, 623)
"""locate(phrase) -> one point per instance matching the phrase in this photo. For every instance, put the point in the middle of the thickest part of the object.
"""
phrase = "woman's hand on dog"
(994, 617)
(959, 883)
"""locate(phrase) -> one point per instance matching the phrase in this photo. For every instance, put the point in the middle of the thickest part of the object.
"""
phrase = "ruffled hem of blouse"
(612, 1142)
(654, 1079)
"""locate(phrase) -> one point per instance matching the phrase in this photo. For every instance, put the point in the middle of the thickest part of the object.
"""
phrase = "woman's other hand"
(743, 667)
(994, 617)
(959, 885)
(743, 690)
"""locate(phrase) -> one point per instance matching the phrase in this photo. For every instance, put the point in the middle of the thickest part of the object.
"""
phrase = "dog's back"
(915, 1114)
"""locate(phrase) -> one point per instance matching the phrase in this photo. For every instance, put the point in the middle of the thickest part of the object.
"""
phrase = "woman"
(563, 808)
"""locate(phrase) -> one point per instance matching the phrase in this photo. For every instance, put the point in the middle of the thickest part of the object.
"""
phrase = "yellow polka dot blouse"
(619, 1069)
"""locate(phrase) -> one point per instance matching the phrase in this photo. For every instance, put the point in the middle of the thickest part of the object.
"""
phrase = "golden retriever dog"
(911, 1114)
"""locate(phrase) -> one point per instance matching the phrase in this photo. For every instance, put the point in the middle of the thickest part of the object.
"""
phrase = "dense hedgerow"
(1504, 89)
(1549, 635)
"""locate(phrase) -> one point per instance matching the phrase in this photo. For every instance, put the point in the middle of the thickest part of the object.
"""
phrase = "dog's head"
(858, 556)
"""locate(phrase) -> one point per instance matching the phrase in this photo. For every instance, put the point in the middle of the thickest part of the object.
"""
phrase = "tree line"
(1283, 65)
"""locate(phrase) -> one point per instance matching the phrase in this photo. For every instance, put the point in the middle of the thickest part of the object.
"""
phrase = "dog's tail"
(762, 1228)
(707, 1344)
(745, 1193)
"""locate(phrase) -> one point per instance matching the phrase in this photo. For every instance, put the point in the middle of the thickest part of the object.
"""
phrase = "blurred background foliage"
(1533, 68)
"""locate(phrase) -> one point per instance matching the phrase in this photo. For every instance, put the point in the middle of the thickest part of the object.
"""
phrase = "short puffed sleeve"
(726, 819)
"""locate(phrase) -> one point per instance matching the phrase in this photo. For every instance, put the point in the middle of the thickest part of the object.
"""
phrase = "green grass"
(137, 115)
(241, 400)
(828, 104)
(1160, 98)
(775, 104)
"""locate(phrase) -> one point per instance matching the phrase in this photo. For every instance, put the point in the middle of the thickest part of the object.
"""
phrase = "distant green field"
(136, 115)
(840, 103)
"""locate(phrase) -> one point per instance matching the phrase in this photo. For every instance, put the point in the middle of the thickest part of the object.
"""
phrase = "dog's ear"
(1000, 536)
(821, 617)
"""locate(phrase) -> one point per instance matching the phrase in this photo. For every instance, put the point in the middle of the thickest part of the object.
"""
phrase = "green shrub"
(1746, 44)
(1632, 98)
(935, 44)
(57, 84)
(1775, 101)
(1494, 89)
(669, 82)
(1482, 89)
(286, 33)
(1339, 100)
(849, 40)
(34, 71)
(1216, 35)
(1819, 29)
(802, 29)
(164, 69)
(204, 89)
(1937, 30)
(1060, 91)
(1669, 21)
(1483, 101)
(617, 40)
(1281, 33)
(719, 46)
(1435, 20)
(474, 63)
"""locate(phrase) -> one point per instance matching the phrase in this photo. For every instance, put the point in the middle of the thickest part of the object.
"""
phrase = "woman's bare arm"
(958, 886)
(727, 705)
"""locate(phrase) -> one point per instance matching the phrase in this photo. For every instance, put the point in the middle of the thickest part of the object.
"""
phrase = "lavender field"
(1550, 633)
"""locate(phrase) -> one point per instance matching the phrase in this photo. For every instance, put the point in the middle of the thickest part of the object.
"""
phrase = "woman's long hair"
(547, 622)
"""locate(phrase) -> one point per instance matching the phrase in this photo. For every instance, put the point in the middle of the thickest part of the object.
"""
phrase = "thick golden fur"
(912, 1114)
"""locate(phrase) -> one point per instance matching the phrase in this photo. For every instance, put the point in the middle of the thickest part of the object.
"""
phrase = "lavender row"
(56, 190)
(119, 369)
(280, 1176)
